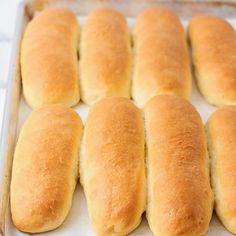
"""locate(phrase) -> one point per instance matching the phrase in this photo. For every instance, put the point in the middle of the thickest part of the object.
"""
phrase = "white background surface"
(8, 10)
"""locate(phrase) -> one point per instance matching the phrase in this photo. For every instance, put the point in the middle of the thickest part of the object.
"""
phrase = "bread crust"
(45, 168)
(213, 42)
(179, 199)
(105, 52)
(49, 64)
(112, 166)
(221, 131)
(161, 61)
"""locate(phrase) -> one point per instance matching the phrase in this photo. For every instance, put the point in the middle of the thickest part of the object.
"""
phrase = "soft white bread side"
(45, 168)
(112, 166)
(213, 42)
(221, 131)
(105, 52)
(179, 199)
(161, 61)
(49, 64)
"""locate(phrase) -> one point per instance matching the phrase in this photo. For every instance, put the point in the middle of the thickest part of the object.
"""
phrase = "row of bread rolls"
(175, 192)
(49, 63)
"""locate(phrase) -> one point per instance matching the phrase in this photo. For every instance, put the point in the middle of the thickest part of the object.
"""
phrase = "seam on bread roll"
(49, 59)
(105, 51)
(45, 168)
(179, 196)
(213, 53)
(161, 60)
(221, 133)
(112, 166)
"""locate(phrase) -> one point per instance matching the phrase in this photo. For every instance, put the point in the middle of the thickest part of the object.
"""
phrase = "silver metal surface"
(184, 8)
(7, 139)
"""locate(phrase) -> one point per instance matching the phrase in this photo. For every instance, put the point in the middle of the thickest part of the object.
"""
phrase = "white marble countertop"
(8, 11)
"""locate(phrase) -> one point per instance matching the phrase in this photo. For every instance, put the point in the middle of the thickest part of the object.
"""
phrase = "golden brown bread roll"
(45, 168)
(161, 63)
(221, 131)
(49, 63)
(112, 166)
(179, 194)
(105, 53)
(213, 43)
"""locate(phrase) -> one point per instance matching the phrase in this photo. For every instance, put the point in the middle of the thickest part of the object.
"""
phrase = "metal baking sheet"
(16, 111)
